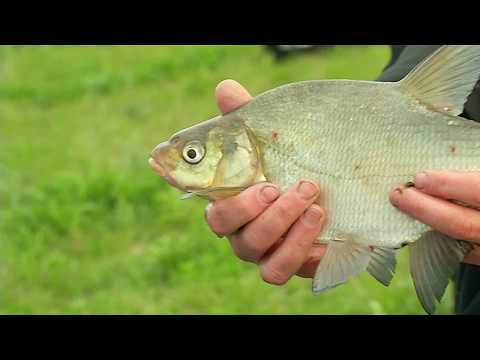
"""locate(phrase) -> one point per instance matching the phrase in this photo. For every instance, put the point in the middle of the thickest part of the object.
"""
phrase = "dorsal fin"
(444, 80)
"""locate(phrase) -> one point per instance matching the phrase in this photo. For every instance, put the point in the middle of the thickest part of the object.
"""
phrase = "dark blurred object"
(281, 52)
(396, 51)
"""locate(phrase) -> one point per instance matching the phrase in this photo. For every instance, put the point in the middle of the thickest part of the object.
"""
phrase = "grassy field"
(87, 228)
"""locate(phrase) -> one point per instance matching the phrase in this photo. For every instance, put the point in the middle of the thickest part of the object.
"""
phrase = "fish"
(359, 140)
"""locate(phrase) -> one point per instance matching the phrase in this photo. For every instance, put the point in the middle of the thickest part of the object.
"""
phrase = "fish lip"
(155, 165)
(159, 169)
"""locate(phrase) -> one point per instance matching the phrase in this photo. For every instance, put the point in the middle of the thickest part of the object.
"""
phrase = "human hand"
(430, 202)
(274, 231)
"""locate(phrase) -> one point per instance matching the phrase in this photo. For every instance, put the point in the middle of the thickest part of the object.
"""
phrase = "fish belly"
(359, 140)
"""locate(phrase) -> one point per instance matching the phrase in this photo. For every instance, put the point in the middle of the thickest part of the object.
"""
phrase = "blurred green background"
(87, 228)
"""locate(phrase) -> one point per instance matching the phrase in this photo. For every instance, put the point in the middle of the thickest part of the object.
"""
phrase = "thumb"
(230, 95)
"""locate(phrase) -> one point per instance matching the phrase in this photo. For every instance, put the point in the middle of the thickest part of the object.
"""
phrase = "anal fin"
(382, 265)
(342, 260)
(434, 258)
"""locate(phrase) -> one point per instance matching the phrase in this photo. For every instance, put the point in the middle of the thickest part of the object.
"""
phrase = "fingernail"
(269, 194)
(395, 195)
(307, 190)
(421, 180)
(207, 209)
(312, 216)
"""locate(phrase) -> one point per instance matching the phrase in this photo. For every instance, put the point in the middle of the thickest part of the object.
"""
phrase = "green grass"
(87, 228)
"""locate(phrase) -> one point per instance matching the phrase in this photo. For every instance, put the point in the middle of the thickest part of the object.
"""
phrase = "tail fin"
(444, 80)
(434, 259)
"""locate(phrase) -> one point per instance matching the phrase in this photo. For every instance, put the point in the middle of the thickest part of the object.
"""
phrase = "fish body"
(358, 140)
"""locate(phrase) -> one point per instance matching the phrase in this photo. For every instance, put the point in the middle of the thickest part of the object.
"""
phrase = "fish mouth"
(158, 168)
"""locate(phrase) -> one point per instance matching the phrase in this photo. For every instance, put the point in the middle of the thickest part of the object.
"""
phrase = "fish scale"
(352, 197)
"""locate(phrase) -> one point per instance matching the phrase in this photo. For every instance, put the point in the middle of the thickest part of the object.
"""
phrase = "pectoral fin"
(219, 192)
(434, 258)
(187, 196)
(342, 260)
(444, 81)
(214, 193)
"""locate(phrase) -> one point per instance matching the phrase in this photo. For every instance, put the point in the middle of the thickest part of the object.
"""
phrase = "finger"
(226, 216)
(473, 257)
(453, 220)
(310, 266)
(230, 95)
(254, 240)
(464, 187)
(278, 267)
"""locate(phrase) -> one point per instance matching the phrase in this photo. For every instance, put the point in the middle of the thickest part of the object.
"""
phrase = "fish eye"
(193, 152)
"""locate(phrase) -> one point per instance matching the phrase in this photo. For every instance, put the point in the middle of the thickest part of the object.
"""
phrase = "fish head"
(209, 159)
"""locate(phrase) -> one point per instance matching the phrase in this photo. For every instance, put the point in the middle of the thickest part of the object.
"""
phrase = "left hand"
(275, 231)
(430, 202)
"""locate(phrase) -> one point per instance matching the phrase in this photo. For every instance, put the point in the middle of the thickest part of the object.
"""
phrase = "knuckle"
(245, 207)
(468, 230)
(224, 217)
(241, 255)
(285, 210)
(217, 220)
(410, 203)
(246, 249)
(246, 257)
(253, 251)
(237, 250)
(273, 276)
(473, 257)
(304, 242)
(436, 183)
(228, 216)
(267, 231)
(476, 196)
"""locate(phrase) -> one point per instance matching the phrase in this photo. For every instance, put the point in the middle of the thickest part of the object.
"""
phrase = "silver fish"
(358, 139)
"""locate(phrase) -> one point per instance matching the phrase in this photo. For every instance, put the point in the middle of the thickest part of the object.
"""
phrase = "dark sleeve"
(467, 290)
(406, 57)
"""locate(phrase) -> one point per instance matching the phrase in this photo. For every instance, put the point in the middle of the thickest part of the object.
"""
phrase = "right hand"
(274, 231)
